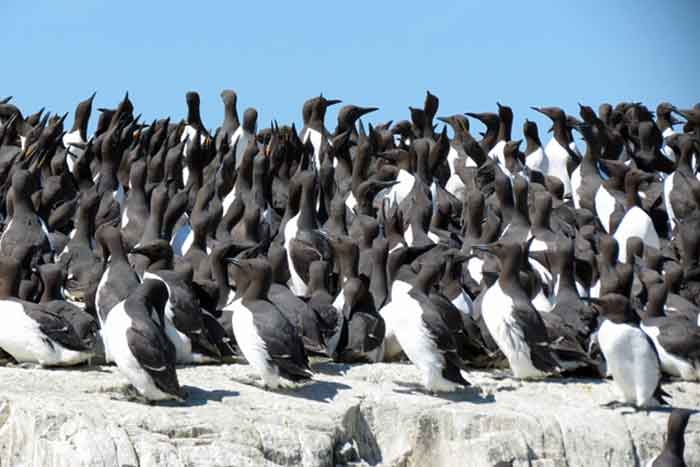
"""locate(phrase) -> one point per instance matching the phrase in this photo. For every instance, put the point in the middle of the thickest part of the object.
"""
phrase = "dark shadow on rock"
(468, 394)
(565, 381)
(198, 396)
(331, 368)
(319, 391)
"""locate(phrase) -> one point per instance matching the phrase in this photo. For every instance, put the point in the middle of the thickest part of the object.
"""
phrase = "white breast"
(671, 364)
(390, 348)
(350, 201)
(452, 156)
(98, 293)
(252, 345)
(631, 361)
(417, 342)
(463, 303)
(125, 217)
(73, 153)
(604, 206)
(496, 153)
(636, 223)
(398, 192)
(21, 337)
(475, 266)
(668, 186)
(182, 343)
(575, 185)
(496, 310)
(536, 245)
(188, 132)
(408, 236)
(316, 138)
(455, 186)
(116, 325)
(242, 139)
(295, 283)
(537, 161)
(557, 158)
(666, 150)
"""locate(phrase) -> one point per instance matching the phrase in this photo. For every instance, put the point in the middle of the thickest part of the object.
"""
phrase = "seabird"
(268, 341)
(513, 322)
(630, 355)
(138, 344)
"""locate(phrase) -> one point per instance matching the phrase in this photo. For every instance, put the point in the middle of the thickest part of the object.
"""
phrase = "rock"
(350, 415)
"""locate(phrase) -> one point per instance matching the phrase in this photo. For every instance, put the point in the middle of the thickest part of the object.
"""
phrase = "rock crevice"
(350, 415)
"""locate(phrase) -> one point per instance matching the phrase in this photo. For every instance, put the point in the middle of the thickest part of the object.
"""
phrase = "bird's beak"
(234, 261)
(460, 258)
(486, 248)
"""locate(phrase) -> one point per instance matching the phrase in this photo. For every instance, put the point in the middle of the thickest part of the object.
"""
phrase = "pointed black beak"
(516, 143)
(323, 234)
(11, 120)
(647, 177)
(383, 183)
(330, 102)
(683, 113)
(137, 249)
(486, 248)
(391, 155)
(366, 110)
(459, 258)
(234, 261)
(673, 120)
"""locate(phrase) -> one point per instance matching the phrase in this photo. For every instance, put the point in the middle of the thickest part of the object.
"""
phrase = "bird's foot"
(248, 380)
(615, 405)
(128, 393)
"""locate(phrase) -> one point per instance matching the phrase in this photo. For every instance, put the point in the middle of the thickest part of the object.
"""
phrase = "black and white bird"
(118, 279)
(268, 341)
(424, 334)
(677, 340)
(138, 344)
(513, 322)
(76, 139)
(630, 355)
(184, 317)
(31, 332)
(24, 226)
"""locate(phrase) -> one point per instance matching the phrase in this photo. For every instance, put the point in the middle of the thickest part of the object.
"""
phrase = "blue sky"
(384, 54)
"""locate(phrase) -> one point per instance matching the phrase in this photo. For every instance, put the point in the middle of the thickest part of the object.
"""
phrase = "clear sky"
(384, 54)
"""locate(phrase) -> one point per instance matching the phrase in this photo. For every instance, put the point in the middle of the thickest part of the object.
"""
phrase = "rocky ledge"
(350, 415)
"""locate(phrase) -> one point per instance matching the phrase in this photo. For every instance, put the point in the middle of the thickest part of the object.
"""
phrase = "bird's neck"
(663, 122)
(307, 211)
(533, 144)
(504, 130)
(561, 134)
(631, 195)
(257, 290)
